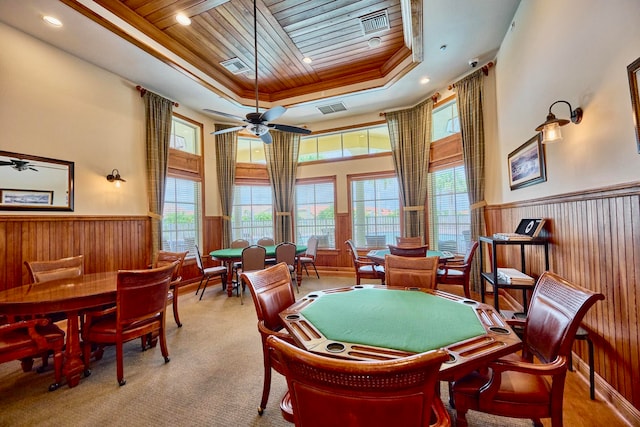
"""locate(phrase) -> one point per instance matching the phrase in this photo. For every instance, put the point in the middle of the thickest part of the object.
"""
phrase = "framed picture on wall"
(634, 75)
(526, 164)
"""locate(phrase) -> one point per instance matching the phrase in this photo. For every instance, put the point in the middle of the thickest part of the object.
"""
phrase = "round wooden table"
(65, 295)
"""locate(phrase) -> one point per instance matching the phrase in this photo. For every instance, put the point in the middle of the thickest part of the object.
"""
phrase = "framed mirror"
(35, 183)
(634, 78)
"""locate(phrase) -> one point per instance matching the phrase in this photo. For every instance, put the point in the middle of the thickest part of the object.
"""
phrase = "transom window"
(445, 121)
(375, 211)
(315, 213)
(252, 216)
(354, 142)
(250, 150)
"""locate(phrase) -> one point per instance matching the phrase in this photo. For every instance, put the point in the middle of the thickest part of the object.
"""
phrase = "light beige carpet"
(214, 377)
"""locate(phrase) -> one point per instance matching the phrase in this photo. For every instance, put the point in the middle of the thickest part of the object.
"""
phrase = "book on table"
(514, 277)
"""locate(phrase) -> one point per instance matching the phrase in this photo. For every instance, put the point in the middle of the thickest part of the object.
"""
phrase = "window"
(315, 213)
(444, 120)
(450, 214)
(181, 222)
(182, 211)
(250, 150)
(368, 140)
(375, 211)
(252, 215)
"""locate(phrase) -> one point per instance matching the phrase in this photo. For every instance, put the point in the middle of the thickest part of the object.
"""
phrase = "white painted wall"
(578, 51)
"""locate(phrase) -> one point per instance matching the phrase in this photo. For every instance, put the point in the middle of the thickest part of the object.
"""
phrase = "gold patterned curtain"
(410, 134)
(469, 99)
(282, 164)
(158, 113)
(226, 148)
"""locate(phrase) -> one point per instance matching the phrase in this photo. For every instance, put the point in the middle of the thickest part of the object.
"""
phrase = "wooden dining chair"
(253, 259)
(458, 270)
(411, 272)
(266, 241)
(209, 273)
(63, 268)
(25, 340)
(141, 302)
(164, 258)
(309, 257)
(409, 241)
(408, 251)
(271, 291)
(364, 268)
(326, 391)
(516, 386)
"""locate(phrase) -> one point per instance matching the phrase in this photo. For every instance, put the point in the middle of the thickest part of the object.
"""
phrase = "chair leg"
(316, 270)
(266, 387)
(120, 364)
(163, 345)
(205, 286)
(200, 284)
(57, 369)
(175, 307)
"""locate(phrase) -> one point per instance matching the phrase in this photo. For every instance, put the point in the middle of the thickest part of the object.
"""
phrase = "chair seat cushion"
(306, 259)
(450, 272)
(371, 269)
(19, 339)
(103, 329)
(212, 271)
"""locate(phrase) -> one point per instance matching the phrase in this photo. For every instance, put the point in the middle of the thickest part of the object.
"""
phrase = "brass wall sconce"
(551, 127)
(114, 176)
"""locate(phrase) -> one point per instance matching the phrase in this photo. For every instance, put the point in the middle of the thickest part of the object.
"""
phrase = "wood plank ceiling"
(328, 32)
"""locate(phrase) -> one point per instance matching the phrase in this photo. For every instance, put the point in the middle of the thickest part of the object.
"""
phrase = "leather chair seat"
(371, 269)
(104, 328)
(451, 272)
(19, 340)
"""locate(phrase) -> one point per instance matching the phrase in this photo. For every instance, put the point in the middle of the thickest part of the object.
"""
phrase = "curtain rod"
(143, 91)
(485, 70)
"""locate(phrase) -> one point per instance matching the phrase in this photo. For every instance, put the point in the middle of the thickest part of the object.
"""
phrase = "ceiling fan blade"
(33, 169)
(221, 131)
(266, 138)
(230, 116)
(3, 163)
(287, 128)
(272, 114)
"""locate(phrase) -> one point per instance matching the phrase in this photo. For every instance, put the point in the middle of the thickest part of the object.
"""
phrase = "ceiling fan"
(19, 165)
(259, 123)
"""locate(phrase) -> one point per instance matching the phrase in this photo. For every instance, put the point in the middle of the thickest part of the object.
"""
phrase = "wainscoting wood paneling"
(595, 243)
(107, 243)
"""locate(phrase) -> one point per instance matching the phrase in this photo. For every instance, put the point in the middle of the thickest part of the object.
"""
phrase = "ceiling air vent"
(332, 108)
(235, 66)
(374, 22)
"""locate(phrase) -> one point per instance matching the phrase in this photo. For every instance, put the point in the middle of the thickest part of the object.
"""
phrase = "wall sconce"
(114, 176)
(551, 127)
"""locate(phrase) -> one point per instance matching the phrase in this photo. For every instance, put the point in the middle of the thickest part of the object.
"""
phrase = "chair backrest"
(409, 241)
(240, 243)
(556, 310)
(411, 271)
(330, 392)
(64, 268)
(468, 257)
(286, 252)
(312, 247)
(142, 294)
(353, 250)
(253, 258)
(272, 292)
(266, 241)
(164, 258)
(408, 251)
(199, 262)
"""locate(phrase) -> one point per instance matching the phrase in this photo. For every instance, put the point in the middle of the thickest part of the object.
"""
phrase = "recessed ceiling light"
(374, 42)
(425, 80)
(183, 19)
(307, 60)
(52, 21)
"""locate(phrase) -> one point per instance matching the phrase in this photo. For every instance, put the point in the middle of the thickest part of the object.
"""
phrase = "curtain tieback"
(412, 208)
(283, 213)
(154, 215)
(478, 205)
(226, 218)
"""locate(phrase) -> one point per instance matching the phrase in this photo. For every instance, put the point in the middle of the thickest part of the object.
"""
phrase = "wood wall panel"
(595, 243)
(107, 243)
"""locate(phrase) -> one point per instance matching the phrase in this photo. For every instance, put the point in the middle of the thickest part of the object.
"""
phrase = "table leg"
(73, 365)
(229, 278)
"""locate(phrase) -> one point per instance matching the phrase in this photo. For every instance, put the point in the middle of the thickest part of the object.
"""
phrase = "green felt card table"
(231, 255)
(376, 322)
(378, 255)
